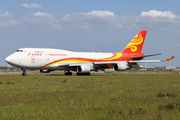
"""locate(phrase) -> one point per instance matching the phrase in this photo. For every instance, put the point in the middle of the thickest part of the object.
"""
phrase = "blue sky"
(91, 26)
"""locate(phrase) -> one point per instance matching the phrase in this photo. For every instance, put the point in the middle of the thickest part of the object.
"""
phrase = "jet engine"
(84, 69)
(121, 66)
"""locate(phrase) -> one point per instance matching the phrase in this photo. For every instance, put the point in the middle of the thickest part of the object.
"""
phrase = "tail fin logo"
(138, 39)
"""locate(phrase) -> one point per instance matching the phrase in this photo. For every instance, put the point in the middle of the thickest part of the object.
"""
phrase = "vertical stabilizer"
(136, 44)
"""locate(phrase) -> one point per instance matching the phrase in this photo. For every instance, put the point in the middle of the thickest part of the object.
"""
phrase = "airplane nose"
(8, 59)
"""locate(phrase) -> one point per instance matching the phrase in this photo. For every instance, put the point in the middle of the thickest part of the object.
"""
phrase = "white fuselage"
(37, 58)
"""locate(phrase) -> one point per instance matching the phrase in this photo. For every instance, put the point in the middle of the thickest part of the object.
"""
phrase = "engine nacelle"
(83, 69)
(121, 66)
(45, 71)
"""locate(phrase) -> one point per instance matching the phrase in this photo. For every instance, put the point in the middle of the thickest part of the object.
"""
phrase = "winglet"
(169, 59)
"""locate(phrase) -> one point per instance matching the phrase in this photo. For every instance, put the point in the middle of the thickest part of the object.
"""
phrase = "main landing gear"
(24, 72)
(68, 73)
(83, 73)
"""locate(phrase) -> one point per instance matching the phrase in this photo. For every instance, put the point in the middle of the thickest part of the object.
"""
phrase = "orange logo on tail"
(136, 44)
(138, 39)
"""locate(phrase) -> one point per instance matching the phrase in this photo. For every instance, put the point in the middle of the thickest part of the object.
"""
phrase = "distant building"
(171, 67)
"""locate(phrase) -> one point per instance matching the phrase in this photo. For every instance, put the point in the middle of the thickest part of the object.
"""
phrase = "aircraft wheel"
(24, 74)
(83, 73)
(68, 73)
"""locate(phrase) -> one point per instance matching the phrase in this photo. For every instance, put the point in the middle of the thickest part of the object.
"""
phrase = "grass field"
(108, 96)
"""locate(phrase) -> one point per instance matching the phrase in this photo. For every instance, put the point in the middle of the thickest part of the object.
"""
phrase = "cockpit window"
(19, 51)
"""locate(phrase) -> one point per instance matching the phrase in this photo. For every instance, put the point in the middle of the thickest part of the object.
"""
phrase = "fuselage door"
(32, 59)
(44, 51)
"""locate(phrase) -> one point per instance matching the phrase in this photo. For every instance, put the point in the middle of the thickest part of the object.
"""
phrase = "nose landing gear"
(24, 72)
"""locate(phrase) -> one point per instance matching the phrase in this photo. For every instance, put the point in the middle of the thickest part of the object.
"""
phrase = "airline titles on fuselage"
(50, 54)
(57, 54)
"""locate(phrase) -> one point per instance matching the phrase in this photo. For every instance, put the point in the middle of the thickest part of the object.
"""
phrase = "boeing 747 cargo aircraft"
(47, 60)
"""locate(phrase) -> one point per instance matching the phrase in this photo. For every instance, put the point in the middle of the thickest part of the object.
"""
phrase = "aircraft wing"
(135, 61)
(115, 62)
(107, 64)
(150, 61)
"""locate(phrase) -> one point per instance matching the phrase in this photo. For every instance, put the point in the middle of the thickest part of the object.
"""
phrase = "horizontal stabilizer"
(140, 57)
